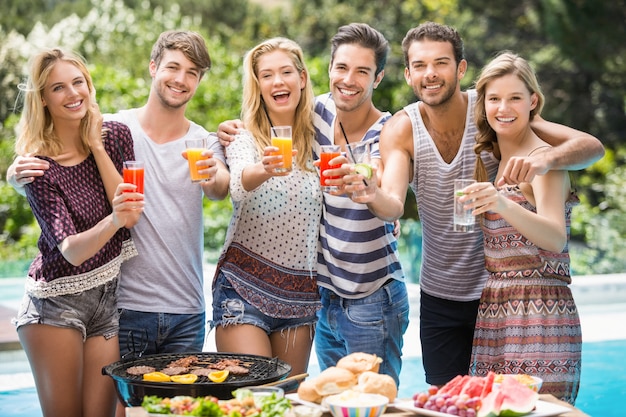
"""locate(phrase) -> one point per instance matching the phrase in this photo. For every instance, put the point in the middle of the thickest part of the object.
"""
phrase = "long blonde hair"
(253, 112)
(36, 128)
(505, 63)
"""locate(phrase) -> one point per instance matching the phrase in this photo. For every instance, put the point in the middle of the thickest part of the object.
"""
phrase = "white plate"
(294, 397)
(542, 409)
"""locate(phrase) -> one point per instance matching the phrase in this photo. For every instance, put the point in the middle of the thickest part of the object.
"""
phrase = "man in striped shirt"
(365, 305)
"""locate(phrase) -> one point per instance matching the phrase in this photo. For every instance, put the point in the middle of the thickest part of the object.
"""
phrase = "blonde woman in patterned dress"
(265, 295)
(527, 320)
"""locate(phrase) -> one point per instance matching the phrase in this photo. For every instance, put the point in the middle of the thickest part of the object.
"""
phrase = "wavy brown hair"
(504, 64)
(253, 113)
(36, 132)
(191, 44)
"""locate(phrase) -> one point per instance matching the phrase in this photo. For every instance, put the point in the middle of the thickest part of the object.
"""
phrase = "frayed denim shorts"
(92, 312)
(229, 308)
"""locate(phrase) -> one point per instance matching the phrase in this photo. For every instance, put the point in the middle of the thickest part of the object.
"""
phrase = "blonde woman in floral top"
(264, 293)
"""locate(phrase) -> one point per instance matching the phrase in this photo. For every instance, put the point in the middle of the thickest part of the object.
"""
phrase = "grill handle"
(288, 384)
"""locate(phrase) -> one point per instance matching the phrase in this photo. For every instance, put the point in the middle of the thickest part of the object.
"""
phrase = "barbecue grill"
(132, 388)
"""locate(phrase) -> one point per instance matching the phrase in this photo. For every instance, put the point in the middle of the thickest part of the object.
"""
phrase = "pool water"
(602, 389)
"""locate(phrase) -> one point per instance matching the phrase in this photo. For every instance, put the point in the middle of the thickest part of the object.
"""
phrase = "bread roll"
(307, 391)
(331, 380)
(375, 383)
(334, 380)
(359, 362)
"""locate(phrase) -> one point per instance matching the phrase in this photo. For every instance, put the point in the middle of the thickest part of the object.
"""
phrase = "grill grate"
(262, 369)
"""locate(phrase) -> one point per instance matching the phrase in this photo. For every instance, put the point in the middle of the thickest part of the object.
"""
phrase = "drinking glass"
(327, 153)
(464, 221)
(281, 138)
(194, 149)
(360, 154)
(133, 173)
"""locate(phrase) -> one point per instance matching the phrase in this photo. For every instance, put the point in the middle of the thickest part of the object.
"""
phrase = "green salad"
(242, 405)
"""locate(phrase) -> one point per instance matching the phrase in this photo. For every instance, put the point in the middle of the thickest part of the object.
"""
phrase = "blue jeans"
(155, 333)
(374, 324)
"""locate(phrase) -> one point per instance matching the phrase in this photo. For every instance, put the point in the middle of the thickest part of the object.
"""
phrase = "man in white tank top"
(427, 145)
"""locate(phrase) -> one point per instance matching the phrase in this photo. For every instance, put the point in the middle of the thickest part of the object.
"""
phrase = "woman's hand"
(273, 160)
(483, 197)
(127, 206)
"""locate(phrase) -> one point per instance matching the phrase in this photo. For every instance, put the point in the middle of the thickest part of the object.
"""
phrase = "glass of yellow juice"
(194, 149)
(281, 138)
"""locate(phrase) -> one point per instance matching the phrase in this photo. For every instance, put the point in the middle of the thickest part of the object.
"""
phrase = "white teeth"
(74, 105)
(347, 92)
(505, 119)
(432, 87)
(176, 90)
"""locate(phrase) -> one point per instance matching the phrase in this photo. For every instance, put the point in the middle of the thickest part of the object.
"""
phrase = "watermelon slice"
(490, 405)
(510, 399)
(518, 398)
(488, 384)
(474, 386)
(454, 386)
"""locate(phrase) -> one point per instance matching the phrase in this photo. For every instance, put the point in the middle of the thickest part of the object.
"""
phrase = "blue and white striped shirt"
(357, 252)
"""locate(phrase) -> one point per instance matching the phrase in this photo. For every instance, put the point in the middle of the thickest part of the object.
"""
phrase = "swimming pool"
(602, 390)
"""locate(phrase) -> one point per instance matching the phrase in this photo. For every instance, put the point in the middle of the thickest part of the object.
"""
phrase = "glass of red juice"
(328, 152)
(133, 174)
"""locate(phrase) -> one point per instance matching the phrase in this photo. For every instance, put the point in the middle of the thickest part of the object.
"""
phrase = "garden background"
(576, 46)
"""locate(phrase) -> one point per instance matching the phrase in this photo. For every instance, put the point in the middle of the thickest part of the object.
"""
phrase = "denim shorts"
(92, 312)
(374, 324)
(149, 333)
(229, 308)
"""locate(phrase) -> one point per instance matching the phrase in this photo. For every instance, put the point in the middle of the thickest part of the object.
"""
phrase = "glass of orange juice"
(133, 173)
(281, 138)
(194, 149)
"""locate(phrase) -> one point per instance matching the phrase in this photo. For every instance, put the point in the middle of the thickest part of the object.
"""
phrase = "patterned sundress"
(527, 319)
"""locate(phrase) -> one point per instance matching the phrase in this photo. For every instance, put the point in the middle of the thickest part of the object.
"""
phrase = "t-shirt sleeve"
(217, 148)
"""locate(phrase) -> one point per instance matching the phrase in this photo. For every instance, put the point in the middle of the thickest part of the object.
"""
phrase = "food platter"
(542, 409)
(295, 398)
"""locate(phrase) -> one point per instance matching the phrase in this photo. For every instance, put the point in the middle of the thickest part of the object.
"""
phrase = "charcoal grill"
(132, 388)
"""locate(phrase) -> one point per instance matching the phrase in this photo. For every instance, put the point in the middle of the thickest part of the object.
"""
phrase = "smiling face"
(281, 84)
(66, 93)
(508, 104)
(353, 76)
(175, 80)
(433, 72)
